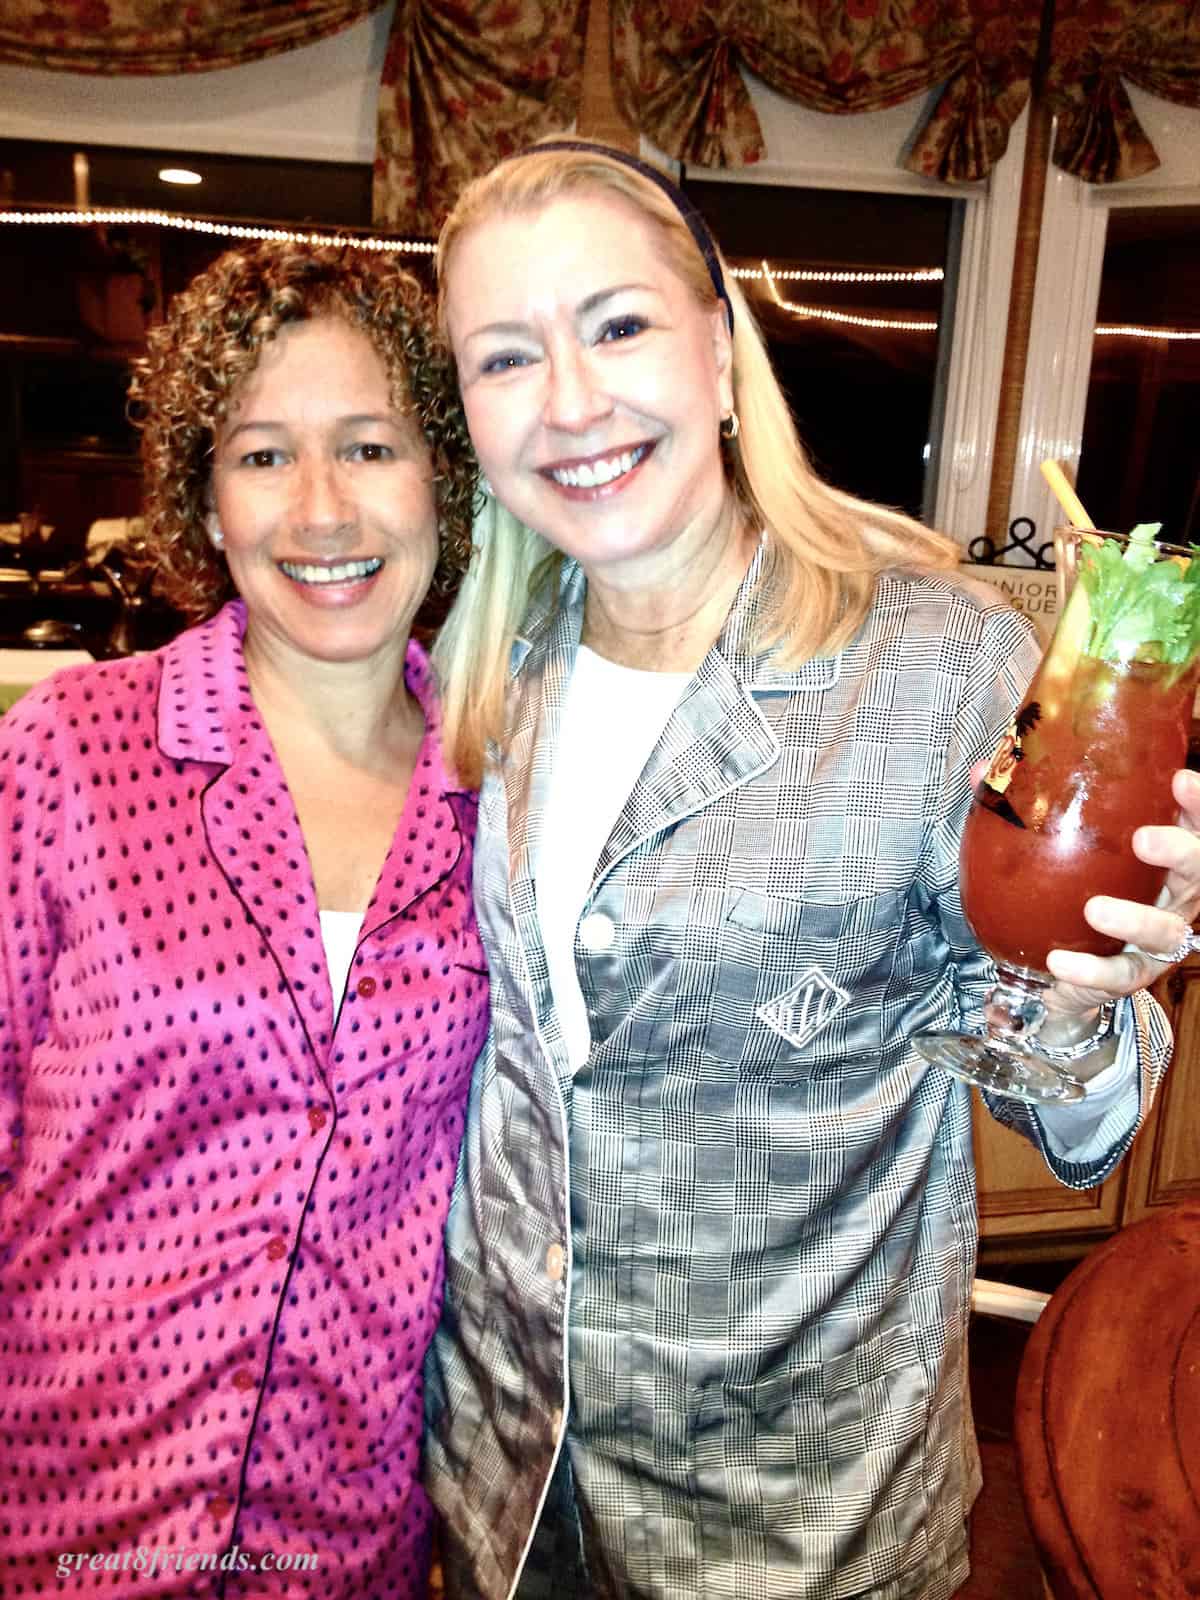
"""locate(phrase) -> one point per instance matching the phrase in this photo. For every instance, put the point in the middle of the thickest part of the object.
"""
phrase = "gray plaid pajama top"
(726, 1266)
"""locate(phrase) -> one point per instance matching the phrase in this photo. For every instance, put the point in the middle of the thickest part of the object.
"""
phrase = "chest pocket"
(800, 984)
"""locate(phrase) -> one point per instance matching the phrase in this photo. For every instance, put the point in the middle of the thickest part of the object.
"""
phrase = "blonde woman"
(711, 1250)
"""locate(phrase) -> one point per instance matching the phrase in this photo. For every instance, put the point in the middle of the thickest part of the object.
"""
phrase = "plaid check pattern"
(727, 1263)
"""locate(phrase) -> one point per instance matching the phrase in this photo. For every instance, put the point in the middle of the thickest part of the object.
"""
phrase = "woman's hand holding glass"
(1152, 934)
(1090, 753)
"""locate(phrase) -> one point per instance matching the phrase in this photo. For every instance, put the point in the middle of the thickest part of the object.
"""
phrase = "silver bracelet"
(1062, 1055)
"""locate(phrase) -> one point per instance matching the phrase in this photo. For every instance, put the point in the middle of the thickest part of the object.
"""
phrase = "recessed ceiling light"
(179, 175)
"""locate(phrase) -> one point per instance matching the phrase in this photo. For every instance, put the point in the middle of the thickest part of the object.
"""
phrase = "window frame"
(862, 153)
(1071, 245)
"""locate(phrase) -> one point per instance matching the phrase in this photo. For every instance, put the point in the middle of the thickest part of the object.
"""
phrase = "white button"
(555, 1421)
(555, 1260)
(596, 932)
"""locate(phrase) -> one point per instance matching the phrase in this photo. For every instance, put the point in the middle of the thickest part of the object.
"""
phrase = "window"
(1140, 457)
(76, 299)
(861, 357)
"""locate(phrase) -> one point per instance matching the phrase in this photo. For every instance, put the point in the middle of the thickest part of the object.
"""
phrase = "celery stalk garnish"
(1139, 552)
(1140, 607)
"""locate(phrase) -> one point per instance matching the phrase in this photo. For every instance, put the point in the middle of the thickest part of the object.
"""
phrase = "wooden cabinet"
(1025, 1214)
(1023, 1211)
(73, 486)
(1164, 1164)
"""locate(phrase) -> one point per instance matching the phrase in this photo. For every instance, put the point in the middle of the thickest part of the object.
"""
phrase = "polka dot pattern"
(220, 1213)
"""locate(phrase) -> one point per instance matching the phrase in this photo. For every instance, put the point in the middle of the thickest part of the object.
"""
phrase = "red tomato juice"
(1086, 763)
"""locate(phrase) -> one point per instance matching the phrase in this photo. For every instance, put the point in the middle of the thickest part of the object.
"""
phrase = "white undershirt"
(611, 720)
(339, 935)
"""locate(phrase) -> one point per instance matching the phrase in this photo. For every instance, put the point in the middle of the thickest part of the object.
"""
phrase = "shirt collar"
(205, 691)
(204, 685)
(756, 668)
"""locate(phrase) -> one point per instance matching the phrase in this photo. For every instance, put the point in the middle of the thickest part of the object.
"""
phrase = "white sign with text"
(1033, 590)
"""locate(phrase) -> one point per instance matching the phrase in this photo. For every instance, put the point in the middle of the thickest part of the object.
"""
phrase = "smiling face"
(323, 493)
(594, 382)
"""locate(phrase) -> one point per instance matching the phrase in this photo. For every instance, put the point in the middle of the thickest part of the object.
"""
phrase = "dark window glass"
(868, 398)
(76, 300)
(259, 188)
(1140, 460)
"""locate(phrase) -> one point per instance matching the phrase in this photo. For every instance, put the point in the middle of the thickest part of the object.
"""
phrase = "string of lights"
(915, 325)
(118, 217)
(125, 217)
(826, 314)
(1128, 331)
(840, 275)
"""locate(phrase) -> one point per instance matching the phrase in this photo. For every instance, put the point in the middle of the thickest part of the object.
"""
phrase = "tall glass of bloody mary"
(1088, 758)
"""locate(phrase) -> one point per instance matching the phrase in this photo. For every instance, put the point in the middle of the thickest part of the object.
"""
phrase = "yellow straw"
(1066, 496)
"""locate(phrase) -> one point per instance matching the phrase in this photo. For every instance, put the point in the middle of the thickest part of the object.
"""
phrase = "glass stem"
(1014, 1011)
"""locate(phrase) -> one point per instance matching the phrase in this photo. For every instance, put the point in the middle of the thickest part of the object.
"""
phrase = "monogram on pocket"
(800, 1012)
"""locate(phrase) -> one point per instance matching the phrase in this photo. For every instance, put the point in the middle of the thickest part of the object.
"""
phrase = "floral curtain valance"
(677, 79)
(1094, 46)
(465, 84)
(676, 66)
(467, 81)
(148, 37)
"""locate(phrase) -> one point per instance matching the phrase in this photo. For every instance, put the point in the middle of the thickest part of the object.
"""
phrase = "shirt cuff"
(1086, 1130)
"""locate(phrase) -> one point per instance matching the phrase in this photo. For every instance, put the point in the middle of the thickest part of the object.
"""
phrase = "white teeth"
(593, 474)
(343, 572)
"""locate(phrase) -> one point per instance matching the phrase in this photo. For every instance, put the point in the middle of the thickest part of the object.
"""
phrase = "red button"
(366, 988)
(219, 1508)
(316, 1118)
(277, 1249)
(243, 1380)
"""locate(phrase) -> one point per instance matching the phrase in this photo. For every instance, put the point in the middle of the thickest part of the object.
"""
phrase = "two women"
(711, 1250)
(241, 987)
(713, 1241)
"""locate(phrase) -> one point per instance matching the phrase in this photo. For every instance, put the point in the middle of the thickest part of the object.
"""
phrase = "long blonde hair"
(826, 549)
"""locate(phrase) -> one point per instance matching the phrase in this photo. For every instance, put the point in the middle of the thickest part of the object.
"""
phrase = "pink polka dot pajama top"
(221, 1211)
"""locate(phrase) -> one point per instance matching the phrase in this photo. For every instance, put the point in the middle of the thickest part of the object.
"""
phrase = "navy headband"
(696, 225)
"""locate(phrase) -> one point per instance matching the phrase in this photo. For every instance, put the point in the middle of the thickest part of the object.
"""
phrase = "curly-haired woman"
(241, 989)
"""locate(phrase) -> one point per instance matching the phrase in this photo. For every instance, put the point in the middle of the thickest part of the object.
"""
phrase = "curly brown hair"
(211, 341)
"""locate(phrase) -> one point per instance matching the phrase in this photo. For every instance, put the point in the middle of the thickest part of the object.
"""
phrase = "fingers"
(1177, 848)
(1151, 933)
(1185, 791)
(1155, 930)
(1185, 786)
(1091, 979)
